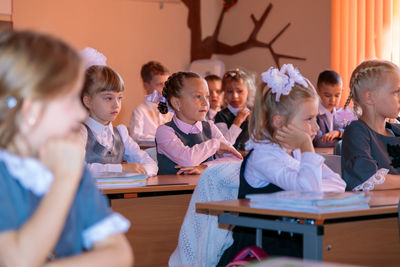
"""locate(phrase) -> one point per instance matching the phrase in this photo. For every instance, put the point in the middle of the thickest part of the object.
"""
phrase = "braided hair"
(366, 75)
(173, 88)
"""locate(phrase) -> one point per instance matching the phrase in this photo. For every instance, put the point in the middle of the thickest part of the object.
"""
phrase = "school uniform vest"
(274, 244)
(245, 188)
(228, 117)
(97, 153)
(166, 165)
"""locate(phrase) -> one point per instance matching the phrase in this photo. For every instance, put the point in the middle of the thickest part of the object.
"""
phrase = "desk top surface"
(381, 202)
(324, 150)
(160, 183)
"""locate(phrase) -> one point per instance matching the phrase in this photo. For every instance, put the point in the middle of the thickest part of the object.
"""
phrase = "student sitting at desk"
(371, 146)
(51, 211)
(329, 88)
(238, 88)
(108, 146)
(187, 142)
(146, 118)
(214, 84)
(281, 155)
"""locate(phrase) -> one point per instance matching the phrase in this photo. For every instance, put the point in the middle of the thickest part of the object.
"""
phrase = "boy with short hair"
(329, 88)
(146, 118)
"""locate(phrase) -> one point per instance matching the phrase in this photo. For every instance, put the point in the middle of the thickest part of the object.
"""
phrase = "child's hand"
(329, 137)
(242, 115)
(292, 137)
(133, 167)
(64, 157)
(228, 149)
(191, 170)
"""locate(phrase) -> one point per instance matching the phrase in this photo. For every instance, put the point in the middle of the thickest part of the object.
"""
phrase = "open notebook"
(113, 180)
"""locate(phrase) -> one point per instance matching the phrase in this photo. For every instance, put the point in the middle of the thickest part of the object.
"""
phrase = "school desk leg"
(312, 244)
(259, 237)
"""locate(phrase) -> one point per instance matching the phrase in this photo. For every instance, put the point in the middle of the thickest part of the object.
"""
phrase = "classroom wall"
(308, 36)
(132, 32)
(5, 7)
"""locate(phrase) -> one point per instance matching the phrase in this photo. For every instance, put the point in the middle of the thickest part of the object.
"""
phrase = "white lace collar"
(30, 172)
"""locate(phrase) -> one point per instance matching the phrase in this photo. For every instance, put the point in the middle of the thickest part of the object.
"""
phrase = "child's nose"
(116, 103)
(316, 126)
(204, 101)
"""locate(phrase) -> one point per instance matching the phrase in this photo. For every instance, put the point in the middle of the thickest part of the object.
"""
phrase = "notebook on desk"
(313, 202)
(113, 180)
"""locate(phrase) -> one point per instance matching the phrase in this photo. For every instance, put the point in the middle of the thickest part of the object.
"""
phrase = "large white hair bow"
(92, 57)
(282, 81)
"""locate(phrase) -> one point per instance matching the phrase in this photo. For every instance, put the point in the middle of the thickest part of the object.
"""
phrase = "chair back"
(152, 151)
(334, 162)
(338, 148)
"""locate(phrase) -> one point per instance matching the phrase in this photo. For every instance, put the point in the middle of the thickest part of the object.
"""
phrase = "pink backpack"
(247, 255)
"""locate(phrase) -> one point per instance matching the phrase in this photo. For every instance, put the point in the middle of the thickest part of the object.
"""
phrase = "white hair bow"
(282, 81)
(92, 57)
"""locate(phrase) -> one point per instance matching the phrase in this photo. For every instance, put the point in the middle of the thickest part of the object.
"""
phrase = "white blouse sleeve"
(331, 181)
(136, 127)
(133, 153)
(277, 168)
(230, 134)
(112, 224)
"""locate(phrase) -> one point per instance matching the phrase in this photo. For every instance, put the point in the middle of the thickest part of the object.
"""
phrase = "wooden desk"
(324, 150)
(146, 144)
(363, 237)
(156, 212)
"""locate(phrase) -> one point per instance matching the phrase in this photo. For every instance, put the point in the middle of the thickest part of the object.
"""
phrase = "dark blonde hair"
(240, 75)
(173, 87)
(265, 107)
(35, 66)
(152, 68)
(101, 79)
(367, 75)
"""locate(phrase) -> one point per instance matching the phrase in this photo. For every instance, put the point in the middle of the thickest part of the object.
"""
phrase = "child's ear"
(176, 104)
(277, 121)
(147, 86)
(30, 113)
(86, 101)
(368, 97)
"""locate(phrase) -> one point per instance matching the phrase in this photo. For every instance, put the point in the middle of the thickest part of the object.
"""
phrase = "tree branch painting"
(204, 49)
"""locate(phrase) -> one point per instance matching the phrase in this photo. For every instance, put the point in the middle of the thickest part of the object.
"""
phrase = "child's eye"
(120, 98)
(311, 118)
(108, 98)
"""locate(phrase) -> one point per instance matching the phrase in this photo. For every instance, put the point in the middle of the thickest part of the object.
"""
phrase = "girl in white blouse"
(282, 128)
(107, 147)
(281, 155)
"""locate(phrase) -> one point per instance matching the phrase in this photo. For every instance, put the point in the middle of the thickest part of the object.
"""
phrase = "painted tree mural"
(205, 48)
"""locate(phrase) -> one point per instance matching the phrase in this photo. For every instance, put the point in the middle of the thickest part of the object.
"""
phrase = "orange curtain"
(363, 29)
